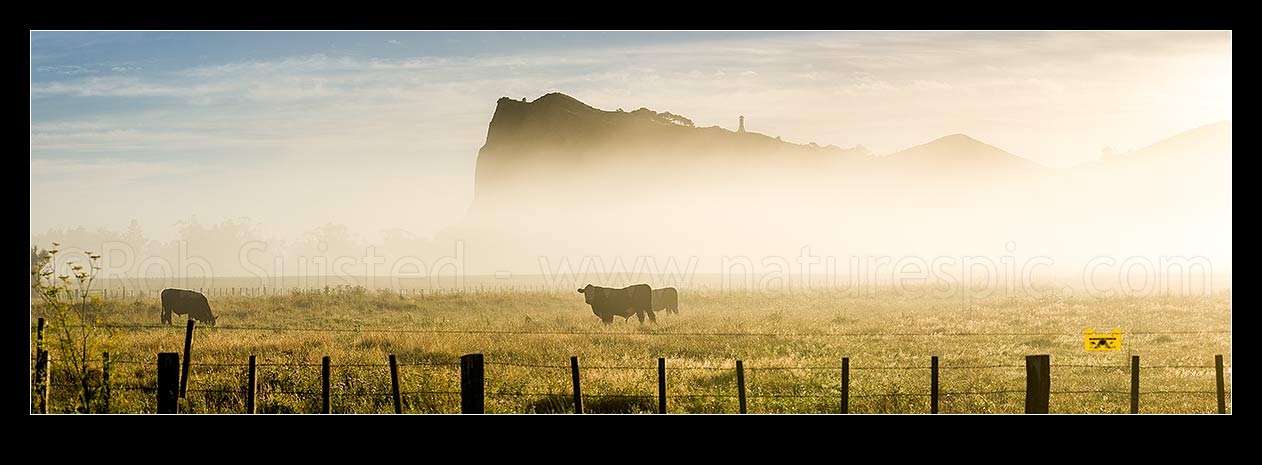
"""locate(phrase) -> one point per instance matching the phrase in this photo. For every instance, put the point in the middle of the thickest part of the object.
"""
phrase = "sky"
(380, 130)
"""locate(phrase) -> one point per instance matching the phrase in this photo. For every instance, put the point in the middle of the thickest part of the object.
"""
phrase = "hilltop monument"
(742, 126)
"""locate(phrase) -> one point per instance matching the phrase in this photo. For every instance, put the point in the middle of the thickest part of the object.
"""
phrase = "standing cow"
(666, 298)
(607, 302)
(186, 302)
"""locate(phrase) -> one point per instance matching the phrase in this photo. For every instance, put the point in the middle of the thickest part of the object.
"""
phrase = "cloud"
(98, 173)
(393, 42)
(429, 114)
(118, 86)
(928, 84)
(167, 134)
(67, 70)
(684, 76)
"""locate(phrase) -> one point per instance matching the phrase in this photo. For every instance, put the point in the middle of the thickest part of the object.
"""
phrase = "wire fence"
(557, 370)
(508, 389)
(131, 327)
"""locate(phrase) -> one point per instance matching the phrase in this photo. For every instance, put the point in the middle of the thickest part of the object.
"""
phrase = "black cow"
(631, 300)
(186, 302)
(666, 298)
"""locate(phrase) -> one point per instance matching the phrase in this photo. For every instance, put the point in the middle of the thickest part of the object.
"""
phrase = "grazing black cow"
(666, 298)
(186, 302)
(631, 300)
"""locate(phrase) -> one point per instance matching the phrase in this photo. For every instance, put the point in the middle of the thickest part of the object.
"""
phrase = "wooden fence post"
(41, 370)
(1134, 384)
(661, 385)
(1038, 383)
(168, 382)
(1222, 387)
(472, 385)
(41, 381)
(845, 385)
(740, 383)
(188, 354)
(578, 389)
(251, 387)
(325, 375)
(105, 382)
(933, 385)
(394, 384)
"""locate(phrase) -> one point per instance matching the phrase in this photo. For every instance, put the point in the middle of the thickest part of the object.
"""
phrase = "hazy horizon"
(226, 127)
(436, 222)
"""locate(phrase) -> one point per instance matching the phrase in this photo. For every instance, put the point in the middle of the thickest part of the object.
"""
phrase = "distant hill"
(556, 174)
(559, 145)
(1205, 146)
(961, 153)
(556, 147)
(1209, 143)
(1196, 160)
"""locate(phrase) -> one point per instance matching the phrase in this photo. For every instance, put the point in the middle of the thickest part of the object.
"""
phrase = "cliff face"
(558, 177)
(558, 147)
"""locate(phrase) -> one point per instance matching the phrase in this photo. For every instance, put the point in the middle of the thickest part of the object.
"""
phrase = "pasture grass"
(791, 342)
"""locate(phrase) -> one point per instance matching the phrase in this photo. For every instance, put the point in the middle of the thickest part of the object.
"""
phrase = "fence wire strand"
(599, 333)
(525, 365)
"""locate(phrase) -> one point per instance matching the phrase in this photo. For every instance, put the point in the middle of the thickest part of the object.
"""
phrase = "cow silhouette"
(607, 302)
(667, 299)
(186, 302)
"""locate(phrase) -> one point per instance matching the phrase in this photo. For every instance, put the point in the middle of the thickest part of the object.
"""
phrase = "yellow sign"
(1105, 341)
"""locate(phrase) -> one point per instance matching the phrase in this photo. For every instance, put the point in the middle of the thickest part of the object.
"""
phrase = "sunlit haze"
(374, 137)
(620, 222)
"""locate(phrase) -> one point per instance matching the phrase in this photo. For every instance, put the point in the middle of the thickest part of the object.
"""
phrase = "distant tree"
(673, 118)
(38, 258)
(134, 233)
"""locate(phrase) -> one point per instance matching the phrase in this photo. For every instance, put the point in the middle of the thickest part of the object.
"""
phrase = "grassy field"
(791, 344)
